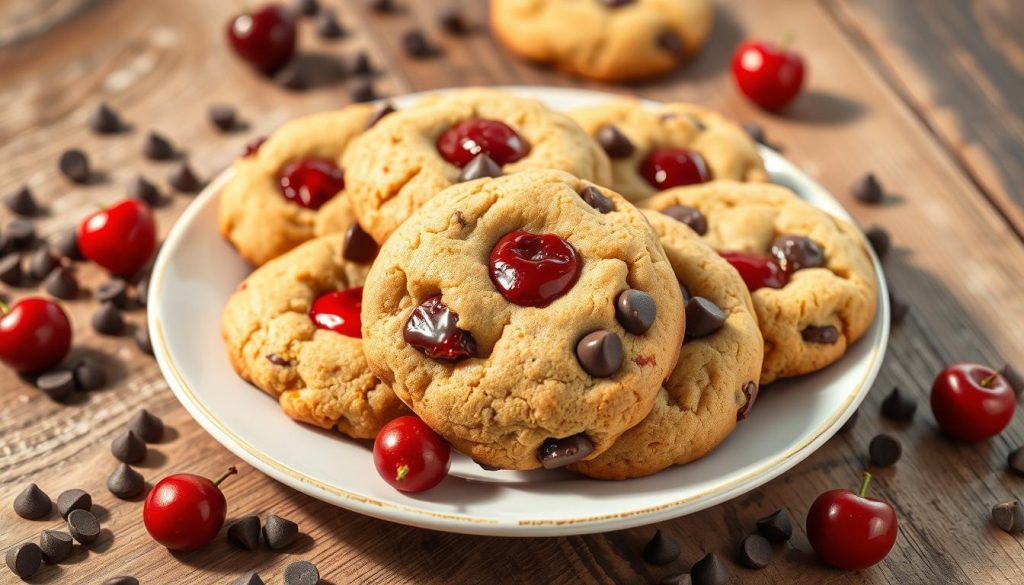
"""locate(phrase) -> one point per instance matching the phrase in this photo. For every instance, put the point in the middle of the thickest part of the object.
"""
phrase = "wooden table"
(928, 95)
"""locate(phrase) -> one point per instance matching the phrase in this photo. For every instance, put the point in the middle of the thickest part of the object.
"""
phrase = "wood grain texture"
(958, 261)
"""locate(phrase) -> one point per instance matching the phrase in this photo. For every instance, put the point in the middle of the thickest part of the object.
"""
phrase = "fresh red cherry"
(185, 511)
(665, 168)
(311, 182)
(463, 141)
(338, 311)
(532, 270)
(433, 329)
(120, 238)
(410, 456)
(850, 531)
(35, 334)
(972, 402)
(768, 74)
(757, 270)
(264, 37)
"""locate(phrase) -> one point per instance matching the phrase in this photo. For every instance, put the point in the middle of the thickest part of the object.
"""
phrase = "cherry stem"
(987, 380)
(231, 471)
(787, 40)
(402, 472)
(864, 481)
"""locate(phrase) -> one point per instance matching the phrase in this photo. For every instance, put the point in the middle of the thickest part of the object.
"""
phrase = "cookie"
(653, 149)
(609, 40)
(713, 385)
(292, 330)
(415, 153)
(290, 189)
(812, 279)
(529, 319)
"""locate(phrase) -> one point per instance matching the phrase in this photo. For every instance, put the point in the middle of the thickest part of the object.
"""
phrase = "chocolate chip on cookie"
(635, 310)
(689, 216)
(600, 353)
(825, 334)
(703, 318)
(433, 329)
(480, 167)
(670, 41)
(277, 360)
(749, 391)
(555, 453)
(794, 252)
(596, 199)
(359, 246)
(378, 114)
(614, 142)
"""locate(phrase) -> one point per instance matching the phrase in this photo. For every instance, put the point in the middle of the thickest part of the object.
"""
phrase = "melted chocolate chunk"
(825, 334)
(690, 216)
(794, 252)
(554, 453)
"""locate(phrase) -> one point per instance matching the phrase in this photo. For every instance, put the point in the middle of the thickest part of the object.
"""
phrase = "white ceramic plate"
(196, 272)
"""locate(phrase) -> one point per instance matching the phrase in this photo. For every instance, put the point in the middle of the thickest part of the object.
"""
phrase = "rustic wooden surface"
(927, 95)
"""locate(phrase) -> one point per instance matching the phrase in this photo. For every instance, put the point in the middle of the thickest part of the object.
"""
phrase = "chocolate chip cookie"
(411, 155)
(610, 40)
(713, 385)
(529, 319)
(292, 329)
(290, 188)
(809, 273)
(677, 144)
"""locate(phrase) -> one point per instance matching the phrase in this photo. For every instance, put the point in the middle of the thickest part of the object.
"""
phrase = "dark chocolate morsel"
(899, 406)
(142, 339)
(41, 263)
(749, 391)
(62, 283)
(382, 5)
(32, 503)
(58, 383)
(223, 117)
(880, 241)
(67, 245)
(122, 580)
(614, 142)
(363, 91)
(885, 449)
(616, 3)
(755, 552)
(293, 77)
(670, 42)
(481, 166)
(596, 199)
(277, 360)
(710, 570)
(635, 310)
(184, 179)
(378, 114)
(105, 120)
(250, 578)
(74, 165)
(125, 482)
(244, 533)
(128, 447)
(358, 246)
(794, 252)
(600, 353)
(21, 234)
(10, 269)
(327, 25)
(142, 189)
(24, 559)
(555, 453)
(1009, 516)
(74, 499)
(361, 64)
(703, 318)
(755, 131)
(113, 291)
(776, 527)
(55, 545)
(416, 44)
(301, 573)
(680, 579)
(1013, 378)
(83, 526)
(825, 334)
(158, 147)
(689, 216)
(147, 426)
(453, 21)
(108, 320)
(22, 202)
(850, 422)
(661, 550)
(898, 309)
(278, 532)
(867, 189)
(307, 7)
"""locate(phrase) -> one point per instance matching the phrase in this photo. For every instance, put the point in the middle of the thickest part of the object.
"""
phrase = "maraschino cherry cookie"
(810, 275)
(713, 385)
(445, 139)
(673, 145)
(528, 319)
(290, 188)
(292, 329)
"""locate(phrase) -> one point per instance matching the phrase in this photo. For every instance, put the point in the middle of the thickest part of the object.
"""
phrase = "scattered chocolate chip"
(867, 189)
(755, 131)
(452, 21)
(250, 578)
(327, 25)
(680, 579)
(128, 447)
(433, 329)
(158, 147)
(301, 573)
(55, 546)
(21, 234)
(62, 283)
(825, 334)
(703, 318)
(184, 179)
(899, 406)
(670, 42)
(755, 552)
(114, 291)
(147, 426)
(616, 3)
(24, 559)
(880, 242)
(600, 353)
(661, 550)
(244, 533)
(555, 453)
(362, 91)
(850, 422)
(122, 580)
(142, 292)
(596, 199)
(635, 310)
(898, 309)
(32, 503)
(67, 245)
(749, 391)
(223, 117)
(74, 165)
(278, 532)
(108, 320)
(362, 64)
(307, 7)
(22, 202)
(614, 142)
(277, 360)
(1008, 516)
(382, 5)
(481, 166)
(885, 449)
(381, 111)
(292, 76)
(58, 384)
(142, 339)
(794, 253)
(74, 499)
(416, 44)
(776, 527)
(10, 270)
(83, 526)
(144, 190)
(689, 216)
(105, 120)
(710, 570)
(359, 246)
(125, 482)
(1013, 378)
(1015, 462)
(41, 263)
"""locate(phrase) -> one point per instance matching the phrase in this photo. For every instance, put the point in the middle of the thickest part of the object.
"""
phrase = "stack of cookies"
(604, 291)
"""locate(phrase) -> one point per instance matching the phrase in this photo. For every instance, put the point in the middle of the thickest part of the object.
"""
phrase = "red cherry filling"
(338, 311)
(311, 182)
(665, 168)
(464, 141)
(434, 329)
(532, 270)
(757, 270)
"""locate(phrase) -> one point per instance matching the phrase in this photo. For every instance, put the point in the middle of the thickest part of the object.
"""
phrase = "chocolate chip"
(635, 310)
(710, 570)
(277, 360)
(460, 218)
(58, 384)
(108, 320)
(67, 245)
(616, 3)
(83, 526)
(278, 532)
(899, 406)
(122, 580)
(244, 533)
(555, 453)
(307, 7)
(142, 292)
(680, 579)
(125, 482)
(614, 142)
(184, 179)
(416, 44)
(358, 246)
(158, 147)
(1015, 462)
(142, 339)
(661, 550)
(750, 396)
(685, 292)
(381, 111)
(250, 578)
(10, 269)
(867, 189)
(22, 202)
(32, 503)
(453, 21)
(362, 64)
(1013, 378)
(879, 239)
(147, 426)
(21, 234)
(41, 263)
(24, 559)
(850, 422)
(362, 91)
(327, 25)
(703, 318)
(776, 527)
(432, 328)
(825, 334)
(143, 190)
(114, 291)
(600, 353)
(755, 552)
(596, 199)
(74, 165)
(301, 573)
(62, 283)
(223, 117)
(105, 120)
(128, 447)
(755, 131)
(689, 216)
(382, 5)
(55, 546)
(885, 450)
(481, 166)
(74, 499)
(670, 42)
(1008, 516)
(794, 253)
(292, 76)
